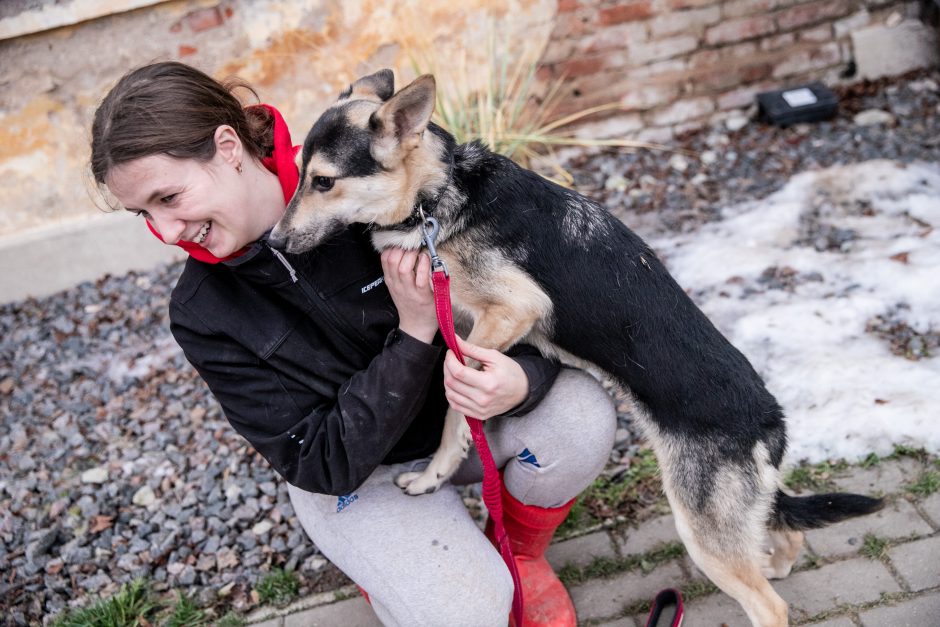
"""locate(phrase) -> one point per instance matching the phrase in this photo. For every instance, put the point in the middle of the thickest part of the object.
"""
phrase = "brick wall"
(677, 64)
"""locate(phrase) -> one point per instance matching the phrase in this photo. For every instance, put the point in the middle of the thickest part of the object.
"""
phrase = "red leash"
(492, 489)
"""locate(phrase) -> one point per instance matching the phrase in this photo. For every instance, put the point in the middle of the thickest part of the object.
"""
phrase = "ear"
(399, 123)
(228, 145)
(380, 85)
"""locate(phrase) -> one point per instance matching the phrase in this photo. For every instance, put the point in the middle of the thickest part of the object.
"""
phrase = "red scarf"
(281, 162)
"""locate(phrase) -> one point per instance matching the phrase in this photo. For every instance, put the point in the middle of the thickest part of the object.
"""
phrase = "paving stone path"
(835, 582)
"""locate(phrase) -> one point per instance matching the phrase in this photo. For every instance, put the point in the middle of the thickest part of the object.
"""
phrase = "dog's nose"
(277, 240)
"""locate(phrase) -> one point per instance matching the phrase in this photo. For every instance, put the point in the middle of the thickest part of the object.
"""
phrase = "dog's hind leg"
(722, 502)
(736, 572)
(455, 442)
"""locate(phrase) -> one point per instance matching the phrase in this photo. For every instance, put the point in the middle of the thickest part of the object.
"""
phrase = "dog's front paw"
(417, 483)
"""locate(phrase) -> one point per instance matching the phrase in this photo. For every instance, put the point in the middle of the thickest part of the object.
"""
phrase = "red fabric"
(281, 162)
(492, 486)
(530, 529)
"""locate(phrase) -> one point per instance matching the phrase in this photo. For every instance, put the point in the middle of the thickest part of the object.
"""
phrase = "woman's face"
(209, 203)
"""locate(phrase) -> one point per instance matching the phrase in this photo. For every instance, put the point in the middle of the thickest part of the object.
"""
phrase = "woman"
(330, 365)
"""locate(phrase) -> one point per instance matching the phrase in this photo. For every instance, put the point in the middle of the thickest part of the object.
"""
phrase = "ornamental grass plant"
(504, 104)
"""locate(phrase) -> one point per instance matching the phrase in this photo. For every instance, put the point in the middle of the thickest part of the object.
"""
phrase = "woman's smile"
(203, 233)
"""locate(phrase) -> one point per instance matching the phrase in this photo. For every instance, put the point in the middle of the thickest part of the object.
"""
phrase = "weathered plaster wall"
(672, 65)
(297, 53)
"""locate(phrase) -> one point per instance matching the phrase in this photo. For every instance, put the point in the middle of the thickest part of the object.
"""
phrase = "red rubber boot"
(530, 530)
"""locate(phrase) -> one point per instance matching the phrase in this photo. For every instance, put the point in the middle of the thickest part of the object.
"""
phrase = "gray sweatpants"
(422, 559)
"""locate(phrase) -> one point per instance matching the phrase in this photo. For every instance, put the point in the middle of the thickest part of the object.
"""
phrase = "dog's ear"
(399, 123)
(380, 85)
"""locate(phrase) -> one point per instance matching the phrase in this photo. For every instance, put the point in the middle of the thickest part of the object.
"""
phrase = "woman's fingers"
(406, 265)
(423, 271)
(482, 355)
(456, 371)
(391, 258)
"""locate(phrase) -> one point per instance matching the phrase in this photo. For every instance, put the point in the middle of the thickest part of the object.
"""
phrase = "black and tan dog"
(534, 262)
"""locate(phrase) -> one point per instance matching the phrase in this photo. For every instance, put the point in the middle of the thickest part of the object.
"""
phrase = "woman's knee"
(578, 407)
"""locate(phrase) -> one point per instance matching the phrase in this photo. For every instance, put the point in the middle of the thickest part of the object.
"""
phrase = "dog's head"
(364, 161)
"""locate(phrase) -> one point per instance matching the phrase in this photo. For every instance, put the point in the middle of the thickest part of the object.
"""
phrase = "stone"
(736, 123)
(353, 612)
(896, 521)
(128, 562)
(678, 162)
(313, 564)
(886, 477)
(888, 51)
(842, 621)
(918, 563)
(874, 117)
(98, 474)
(41, 543)
(853, 581)
(206, 562)
(144, 496)
(188, 576)
(227, 558)
(918, 612)
(604, 598)
(616, 183)
(648, 536)
(714, 610)
(580, 551)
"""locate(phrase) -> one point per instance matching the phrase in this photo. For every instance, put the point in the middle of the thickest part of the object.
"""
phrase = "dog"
(532, 261)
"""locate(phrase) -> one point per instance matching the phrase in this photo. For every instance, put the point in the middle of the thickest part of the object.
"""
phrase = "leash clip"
(430, 229)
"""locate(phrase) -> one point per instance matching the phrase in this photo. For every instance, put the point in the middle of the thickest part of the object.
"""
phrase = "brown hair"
(174, 109)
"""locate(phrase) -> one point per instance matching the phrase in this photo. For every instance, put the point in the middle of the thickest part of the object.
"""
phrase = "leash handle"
(492, 486)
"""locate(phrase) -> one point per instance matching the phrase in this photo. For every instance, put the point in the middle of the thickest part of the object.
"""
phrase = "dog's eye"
(323, 183)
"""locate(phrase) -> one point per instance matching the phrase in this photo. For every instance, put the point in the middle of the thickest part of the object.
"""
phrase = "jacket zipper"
(286, 263)
(324, 308)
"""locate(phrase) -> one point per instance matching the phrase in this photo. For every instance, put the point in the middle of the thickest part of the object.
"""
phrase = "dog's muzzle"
(277, 240)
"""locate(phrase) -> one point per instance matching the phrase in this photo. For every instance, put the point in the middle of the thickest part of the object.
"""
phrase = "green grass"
(231, 619)
(870, 461)
(874, 547)
(186, 613)
(817, 477)
(132, 606)
(606, 498)
(927, 484)
(608, 566)
(901, 450)
(278, 587)
(502, 103)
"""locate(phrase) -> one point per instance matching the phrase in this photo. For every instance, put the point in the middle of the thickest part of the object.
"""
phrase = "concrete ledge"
(64, 13)
(51, 259)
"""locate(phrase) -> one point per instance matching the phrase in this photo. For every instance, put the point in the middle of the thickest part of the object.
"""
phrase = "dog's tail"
(819, 510)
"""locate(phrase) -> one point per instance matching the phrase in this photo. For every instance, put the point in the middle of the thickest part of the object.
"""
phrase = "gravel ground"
(115, 461)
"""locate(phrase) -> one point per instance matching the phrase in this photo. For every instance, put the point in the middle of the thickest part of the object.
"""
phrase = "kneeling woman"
(329, 363)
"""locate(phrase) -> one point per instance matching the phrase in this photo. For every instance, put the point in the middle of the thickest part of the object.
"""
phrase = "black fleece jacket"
(304, 354)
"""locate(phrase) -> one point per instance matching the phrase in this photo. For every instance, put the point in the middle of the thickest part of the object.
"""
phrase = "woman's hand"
(408, 277)
(499, 386)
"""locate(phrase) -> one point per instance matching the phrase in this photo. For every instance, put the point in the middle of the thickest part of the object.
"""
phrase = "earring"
(238, 168)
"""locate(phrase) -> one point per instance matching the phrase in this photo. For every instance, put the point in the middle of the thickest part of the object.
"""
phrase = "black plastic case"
(804, 103)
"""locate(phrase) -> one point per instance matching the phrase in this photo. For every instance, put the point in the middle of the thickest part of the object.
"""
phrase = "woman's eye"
(168, 199)
(141, 212)
(323, 183)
